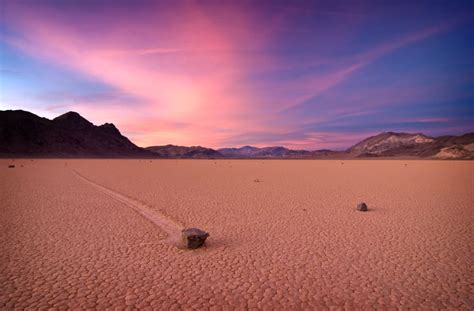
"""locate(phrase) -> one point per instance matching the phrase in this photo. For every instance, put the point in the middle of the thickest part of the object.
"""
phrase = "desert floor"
(102, 233)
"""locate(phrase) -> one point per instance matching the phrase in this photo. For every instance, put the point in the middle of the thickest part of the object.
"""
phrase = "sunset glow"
(223, 74)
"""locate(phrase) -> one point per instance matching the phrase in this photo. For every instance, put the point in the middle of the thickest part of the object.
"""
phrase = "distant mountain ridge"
(266, 152)
(70, 135)
(195, 152)
(384, 145)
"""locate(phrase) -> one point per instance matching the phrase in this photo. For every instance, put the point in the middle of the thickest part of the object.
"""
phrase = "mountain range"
(24, 134)
(172, 151)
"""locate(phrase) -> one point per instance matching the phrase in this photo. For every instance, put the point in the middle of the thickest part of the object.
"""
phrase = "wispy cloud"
(429, 120)
(314, 85)
(147, 51)
(218, 75)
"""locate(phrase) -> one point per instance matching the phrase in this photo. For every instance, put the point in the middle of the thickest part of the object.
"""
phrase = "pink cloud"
(191, 77)
(193, 80)
(322, 140)
(430, 120)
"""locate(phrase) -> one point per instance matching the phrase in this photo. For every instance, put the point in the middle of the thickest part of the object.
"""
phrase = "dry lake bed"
(284, 234)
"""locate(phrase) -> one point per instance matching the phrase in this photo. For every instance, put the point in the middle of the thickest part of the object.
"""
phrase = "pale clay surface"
(99, 234)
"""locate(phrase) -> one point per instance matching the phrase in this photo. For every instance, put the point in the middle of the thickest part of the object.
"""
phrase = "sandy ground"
(98, 234)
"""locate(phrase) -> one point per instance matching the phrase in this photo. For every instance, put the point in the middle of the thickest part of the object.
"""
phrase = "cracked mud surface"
(291, 241)
(166, 224)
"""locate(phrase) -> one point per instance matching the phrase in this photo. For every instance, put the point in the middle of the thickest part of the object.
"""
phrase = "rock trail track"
(165, 223)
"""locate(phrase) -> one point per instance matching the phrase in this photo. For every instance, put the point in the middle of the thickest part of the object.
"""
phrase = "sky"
(300, 74)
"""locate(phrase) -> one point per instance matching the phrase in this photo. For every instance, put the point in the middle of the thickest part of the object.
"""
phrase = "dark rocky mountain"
(195, 152)
(69, 135)
(392, 144)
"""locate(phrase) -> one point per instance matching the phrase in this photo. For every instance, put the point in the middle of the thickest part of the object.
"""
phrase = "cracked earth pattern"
(96, 234)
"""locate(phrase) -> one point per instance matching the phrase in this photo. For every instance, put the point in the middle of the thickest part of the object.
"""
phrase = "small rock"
(11, 166)
(256, 180)
(194, 238)
(362, 207)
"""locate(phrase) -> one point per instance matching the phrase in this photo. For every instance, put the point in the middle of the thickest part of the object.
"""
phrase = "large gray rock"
(362, 207)
(194, 238)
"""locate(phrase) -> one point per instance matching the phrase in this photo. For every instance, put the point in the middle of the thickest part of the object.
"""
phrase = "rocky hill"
(392, 144)
(23, 133)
